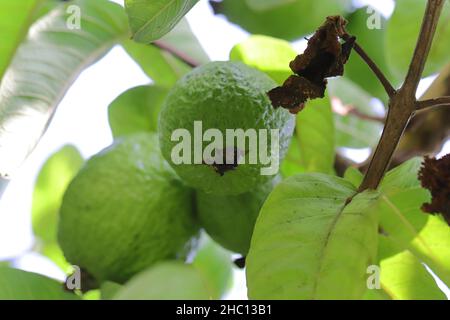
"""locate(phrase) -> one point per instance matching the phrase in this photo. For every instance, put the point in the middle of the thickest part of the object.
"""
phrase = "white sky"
(81, 119)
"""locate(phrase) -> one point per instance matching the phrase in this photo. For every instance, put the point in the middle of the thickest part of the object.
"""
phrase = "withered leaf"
(435, 176)
(324, 57)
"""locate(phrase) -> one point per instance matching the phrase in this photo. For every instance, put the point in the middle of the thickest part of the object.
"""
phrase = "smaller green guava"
(125, 210)
(230, 220)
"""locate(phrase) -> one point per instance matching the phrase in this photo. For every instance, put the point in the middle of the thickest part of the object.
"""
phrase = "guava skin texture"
(223, 95)
(230, 220)
(126, 210)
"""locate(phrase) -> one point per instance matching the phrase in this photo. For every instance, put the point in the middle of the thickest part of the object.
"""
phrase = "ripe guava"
(223, 99)
(230, 220)
(125, 210)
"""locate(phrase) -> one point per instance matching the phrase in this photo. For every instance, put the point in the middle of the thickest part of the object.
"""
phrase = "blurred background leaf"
(166, 281)
(214, 263)
(291, 20)
(373, 42)
(17, 284)
(402, 32)
(45, 66)
(136, 110)
(152, 19)
(403, 276)
(270, 55)
(109, 289)
(262, 5)
(353, 131)
(315, 135)
(51, 183)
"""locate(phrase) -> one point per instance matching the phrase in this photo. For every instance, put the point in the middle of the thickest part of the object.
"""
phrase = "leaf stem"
(180, 55)
(403, 104)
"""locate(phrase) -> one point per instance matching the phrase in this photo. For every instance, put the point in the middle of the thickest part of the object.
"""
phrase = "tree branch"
(402, 104)
(373, 66)
(423, 46)
(180, 55)
(431, 103)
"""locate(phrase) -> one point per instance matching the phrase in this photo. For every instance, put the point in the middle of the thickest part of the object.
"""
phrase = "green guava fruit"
(288, 20)
(230, 220)
(225, 100)
(125, 210)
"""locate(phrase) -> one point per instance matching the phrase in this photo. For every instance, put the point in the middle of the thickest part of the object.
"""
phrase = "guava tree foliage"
(129, 224)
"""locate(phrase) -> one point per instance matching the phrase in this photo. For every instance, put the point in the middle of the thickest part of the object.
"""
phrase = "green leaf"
(354, 176)
(351, 130)
(136, 110)
(15, 18)
(166, 281)
(109, 289)
(402, 33)
(43, 69)
(424, 235)
(403, 276)
(373, 42)
(152, 19)
(289, 21)
(308, 244)
(291, 162)
(315, 135)
(17, 284)
(270, 55)
(214, 263)
(262, 5)
(51, 183)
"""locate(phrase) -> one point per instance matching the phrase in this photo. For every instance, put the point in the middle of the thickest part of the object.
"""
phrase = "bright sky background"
(81, 119)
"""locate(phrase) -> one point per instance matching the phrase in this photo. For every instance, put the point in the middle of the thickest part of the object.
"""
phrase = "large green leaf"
(403, 276)
(267, 54)
(402, 33)
(166, 281)
(373, 42)
(315, 135)
(291, 164)
(17, 284)
(308, 243)
(136, 110)
(214, 263)
(351, 130)
(15, 18)
(427, 237)
(152, 19)
(45, 66)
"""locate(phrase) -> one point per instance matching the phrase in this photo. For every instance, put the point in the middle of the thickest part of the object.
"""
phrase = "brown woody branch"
(177, 53)
(431, 103)
(402, 105)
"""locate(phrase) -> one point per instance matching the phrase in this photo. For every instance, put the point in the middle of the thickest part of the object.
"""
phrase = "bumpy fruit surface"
(125, 210)
(230, 220)
(223, 95)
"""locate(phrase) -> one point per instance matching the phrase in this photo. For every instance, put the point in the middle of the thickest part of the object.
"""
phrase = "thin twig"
(177, 53)
(431, 103)
(402, 104)
(423, 46)
(373, 66)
